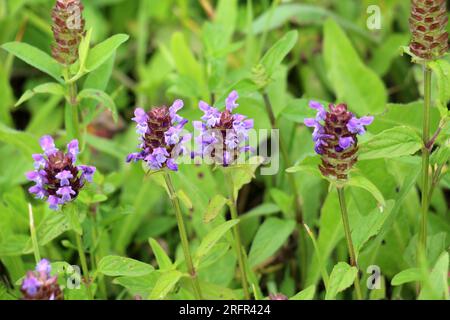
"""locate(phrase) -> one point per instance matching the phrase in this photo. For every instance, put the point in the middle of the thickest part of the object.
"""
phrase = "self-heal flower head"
(223, 135)
(161, 136)
(57, 179)
(40, 285)
(335, 137)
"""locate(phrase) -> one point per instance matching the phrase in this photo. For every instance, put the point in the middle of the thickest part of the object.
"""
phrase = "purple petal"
(171, 164)
(44, 267)
(48, 145)
(39, 160)
(53, 202)
(87, 172)
(366, 120)
(140, 116)
(64, 177)
(66, 193)
(38, 191)
(73, 149)
(310, 122)
(231, 101)
(346, 142)
(30, 284)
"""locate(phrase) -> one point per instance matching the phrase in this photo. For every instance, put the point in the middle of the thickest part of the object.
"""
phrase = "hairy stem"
(237, 238)
(422, 244)
(348, 237)
(84, 266)
(72, 119)
(183, 236)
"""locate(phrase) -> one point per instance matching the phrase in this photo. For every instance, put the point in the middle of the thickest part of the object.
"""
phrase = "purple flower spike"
(161, 136)
(40, 285)
(335, 138)
(57, 178)
(223, 135)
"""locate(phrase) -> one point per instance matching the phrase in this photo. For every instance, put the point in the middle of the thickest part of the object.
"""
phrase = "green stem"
(72, 119)
(37, 255)
(348, 237)
(84, 265)
(237, 237)
(183, 236)
(422, 245)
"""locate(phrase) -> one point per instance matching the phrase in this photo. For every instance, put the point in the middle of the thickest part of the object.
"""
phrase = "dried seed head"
(68, 30)
(40, 285)
(336, 140)
(428, 24)
(161, 136)
(57, 177)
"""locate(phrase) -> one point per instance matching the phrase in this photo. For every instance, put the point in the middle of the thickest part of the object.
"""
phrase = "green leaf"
(441, 69)
(22, 140)
(370, 225)
(51, 227)
(71, 211)
(36, 58)
(212, 237)
(271, 235)
(364, 183)
(437, 285)
(162, 258)
(406, 276)
(243, 174)
(276, 54)
(51, 88)
(214, 208)
(165, 284)
(142, 285)
(121, 266)
(307, 294)
(352, 81)
(342, 277)
(395, 142)
(283, 200)
(103, 51)
(102, 97)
